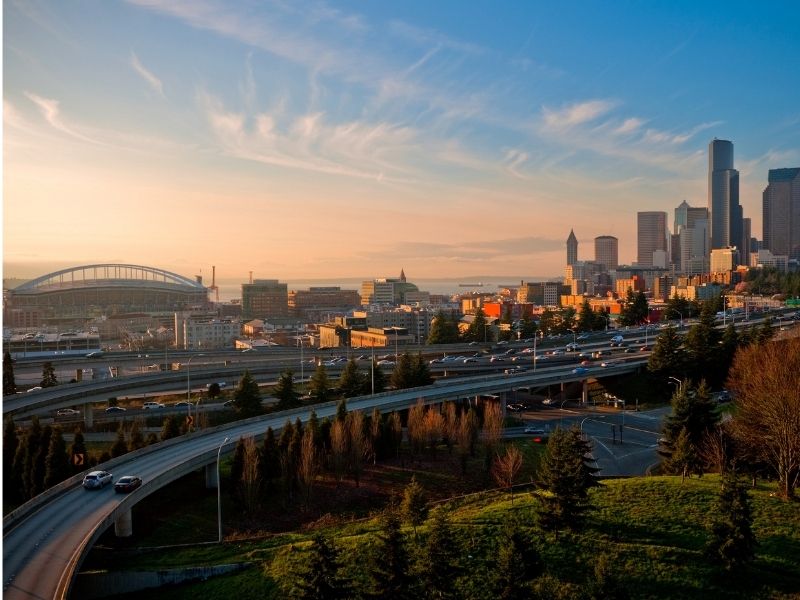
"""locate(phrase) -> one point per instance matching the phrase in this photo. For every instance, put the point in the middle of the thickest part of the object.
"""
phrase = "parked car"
(127, 483)
(67, 412)
(115, 409)
(97, 480)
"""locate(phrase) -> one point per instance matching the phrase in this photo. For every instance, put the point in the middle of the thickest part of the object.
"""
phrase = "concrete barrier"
(105, 584)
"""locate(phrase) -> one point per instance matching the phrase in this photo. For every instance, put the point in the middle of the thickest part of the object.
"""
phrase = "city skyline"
(357, 140)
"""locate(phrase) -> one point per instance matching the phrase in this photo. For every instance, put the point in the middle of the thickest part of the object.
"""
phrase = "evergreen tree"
(683, 458)
(48, 375)
(421, 373)
(9, 387)
(269, 462)
(528, 327)
(341, 411)
(640, 309)
(518, 562)
(40, 461)
(694, 411)
(319, 577)
(24, 462)
(586, 317)
(702, 345)
(403, 374)
(137, 439)
(414, 506)
(10, 445)
(285, 393)
(14, 493)
(120, 446)
(237, 467)
(77, 449)
(667, 358)
(765, 332)
(478, 330)
(732, 542)
(247, 397)
(566, 476)
(314, 427)
(438, 565)
(352, 381)
(378, 377)
(627, 316)
(727, 349)
(389, 570)
(57, 467)
(320, 387)
(170, 428)
(444, 330)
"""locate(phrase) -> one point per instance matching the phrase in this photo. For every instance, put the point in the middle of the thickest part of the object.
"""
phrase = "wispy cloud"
(575, 114)
(153, 81)
(51, 112)
(629, 126)
(514, 158)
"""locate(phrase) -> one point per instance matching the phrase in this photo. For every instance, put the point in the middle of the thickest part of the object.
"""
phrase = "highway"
(45, 540)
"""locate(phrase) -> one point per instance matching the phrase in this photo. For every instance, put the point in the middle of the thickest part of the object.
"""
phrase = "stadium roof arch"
(109, 275)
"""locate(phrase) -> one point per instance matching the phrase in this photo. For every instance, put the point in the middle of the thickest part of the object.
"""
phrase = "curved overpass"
(46, 540)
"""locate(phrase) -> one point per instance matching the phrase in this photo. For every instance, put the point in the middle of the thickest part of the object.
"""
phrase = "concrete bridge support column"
(211, 476)
(88, 416)
(123, 526)
(563, 394)
(585, 392)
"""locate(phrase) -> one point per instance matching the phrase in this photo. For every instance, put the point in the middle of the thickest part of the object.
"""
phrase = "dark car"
(127, 483)
(115, 409)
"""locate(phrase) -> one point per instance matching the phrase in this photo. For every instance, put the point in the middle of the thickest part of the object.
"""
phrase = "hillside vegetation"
(649, 532)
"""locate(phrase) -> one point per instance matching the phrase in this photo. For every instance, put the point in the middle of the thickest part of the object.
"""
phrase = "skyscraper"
(723, 196)
(572, 248)
(651, 236)
(691, 228)
(606, 251)
(781, 211)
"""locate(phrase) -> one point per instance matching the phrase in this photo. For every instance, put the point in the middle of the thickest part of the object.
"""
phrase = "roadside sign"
(78, 459)
(189, 421)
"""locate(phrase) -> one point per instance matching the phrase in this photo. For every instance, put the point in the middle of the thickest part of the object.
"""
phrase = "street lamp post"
(678, 381)
(219, 493)
(680, 314)
(561, 415)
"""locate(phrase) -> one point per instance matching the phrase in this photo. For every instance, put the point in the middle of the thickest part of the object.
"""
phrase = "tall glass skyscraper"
(723, 196)
(782, 213)
(572, 248)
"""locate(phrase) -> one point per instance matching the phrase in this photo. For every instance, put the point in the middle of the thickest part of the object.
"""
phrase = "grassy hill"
(651, 530)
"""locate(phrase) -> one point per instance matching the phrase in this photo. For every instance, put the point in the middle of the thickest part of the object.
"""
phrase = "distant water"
(230, 290)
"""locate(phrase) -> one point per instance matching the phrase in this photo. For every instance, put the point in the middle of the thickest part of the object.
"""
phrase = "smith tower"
(723, 196)
(572, 248)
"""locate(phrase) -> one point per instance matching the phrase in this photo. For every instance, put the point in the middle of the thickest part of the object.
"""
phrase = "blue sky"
(352, 139)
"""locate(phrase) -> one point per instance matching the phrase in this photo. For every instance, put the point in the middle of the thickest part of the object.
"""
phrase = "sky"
(352, 139)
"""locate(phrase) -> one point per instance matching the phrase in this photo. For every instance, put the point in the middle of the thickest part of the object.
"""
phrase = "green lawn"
(652, 530)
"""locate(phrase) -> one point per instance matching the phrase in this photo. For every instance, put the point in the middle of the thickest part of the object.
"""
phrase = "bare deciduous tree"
(309, 466)
(357, 443)
(339, 449)
(765, 379)
(434, 427)
(416, 427)
(492, 429)
(450, 425)
(251, 480)
(506, 467)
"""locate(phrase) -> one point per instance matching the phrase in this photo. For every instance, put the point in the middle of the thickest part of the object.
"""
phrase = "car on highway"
(127, 483)
(97, 480)
(229, 404)
(548, 401)
(115, 409)
(534, 430)
(470, 360)
(222, 385)
(35, 388)
(95, 354)
(67, 412)
(644, 349)
(497, 359)
(385, 363)
(628, 350)
(152, 405)
(183, 404)
(580, 371)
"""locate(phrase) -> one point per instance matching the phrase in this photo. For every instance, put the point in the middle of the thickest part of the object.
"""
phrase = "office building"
(606, 251)
(394, 291)
(264, 298)
(723, 259)
(690, 250)
(781, 211)
(572, 248)
(314, 303)
(651, 236)
(723, 196)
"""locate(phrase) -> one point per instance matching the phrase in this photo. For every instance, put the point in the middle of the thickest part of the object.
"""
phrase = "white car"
(67, 412)
(97, 480)
(152, 405)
